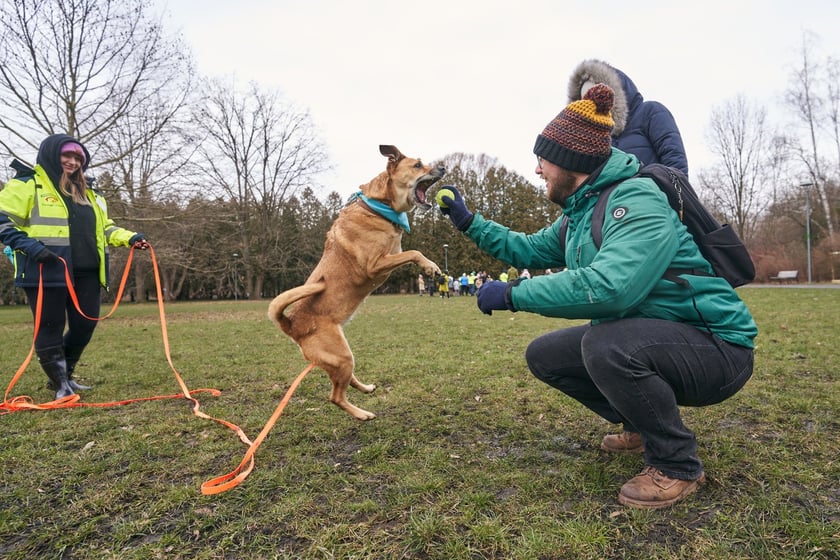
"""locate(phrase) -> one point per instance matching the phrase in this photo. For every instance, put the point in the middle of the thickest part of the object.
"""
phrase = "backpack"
(718, 243)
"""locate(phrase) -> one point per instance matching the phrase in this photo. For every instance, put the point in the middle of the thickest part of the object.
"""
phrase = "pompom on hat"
(578, 139)
(74, 148)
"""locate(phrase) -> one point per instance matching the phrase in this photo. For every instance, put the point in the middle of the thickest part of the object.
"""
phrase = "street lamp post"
(446, 258)
(235, 277)
(807, 187)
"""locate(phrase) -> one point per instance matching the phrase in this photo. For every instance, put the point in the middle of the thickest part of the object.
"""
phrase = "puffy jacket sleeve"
(639, 243)
(664, 136)
(535, 250)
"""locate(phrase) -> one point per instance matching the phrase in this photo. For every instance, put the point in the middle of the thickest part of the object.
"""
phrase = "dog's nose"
(441, 169)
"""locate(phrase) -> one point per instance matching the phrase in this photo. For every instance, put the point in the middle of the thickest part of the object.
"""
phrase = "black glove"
(494, 296)
(456, 209)
(46, 256)
(138, 240)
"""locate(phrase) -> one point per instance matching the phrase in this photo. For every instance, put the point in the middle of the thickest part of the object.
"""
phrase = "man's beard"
(563, 187)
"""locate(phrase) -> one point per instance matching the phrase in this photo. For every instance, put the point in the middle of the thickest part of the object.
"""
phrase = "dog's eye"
(418, 165)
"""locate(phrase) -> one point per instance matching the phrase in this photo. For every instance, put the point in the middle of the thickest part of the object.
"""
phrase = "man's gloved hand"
(138, 241)
(46, 256)
(493, 296)
(456, 209)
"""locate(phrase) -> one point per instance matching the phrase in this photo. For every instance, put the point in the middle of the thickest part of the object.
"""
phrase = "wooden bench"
(786, 277)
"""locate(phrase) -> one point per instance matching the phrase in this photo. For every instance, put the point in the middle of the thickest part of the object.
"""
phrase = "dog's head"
(404, 182)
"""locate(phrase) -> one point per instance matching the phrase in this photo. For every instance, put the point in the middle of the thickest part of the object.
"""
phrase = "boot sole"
(691, 488)
(640, 449)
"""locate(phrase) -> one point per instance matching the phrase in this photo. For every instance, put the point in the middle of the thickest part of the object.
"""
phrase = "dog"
(362, 248)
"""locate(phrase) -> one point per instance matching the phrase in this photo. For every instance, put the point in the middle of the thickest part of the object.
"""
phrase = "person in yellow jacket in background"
(50, 212)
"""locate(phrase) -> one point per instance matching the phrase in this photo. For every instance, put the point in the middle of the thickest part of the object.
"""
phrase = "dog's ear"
(391, 152)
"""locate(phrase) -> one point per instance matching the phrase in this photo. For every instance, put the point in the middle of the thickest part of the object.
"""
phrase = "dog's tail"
(279, 304)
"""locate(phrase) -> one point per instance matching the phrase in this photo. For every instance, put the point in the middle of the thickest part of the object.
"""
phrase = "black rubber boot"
(55, 366)
(72, 355)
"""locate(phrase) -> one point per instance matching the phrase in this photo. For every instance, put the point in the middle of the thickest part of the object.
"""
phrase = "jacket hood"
(49, 155)
(627, 96)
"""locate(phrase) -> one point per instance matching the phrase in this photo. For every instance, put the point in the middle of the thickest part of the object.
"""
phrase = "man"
(647, 349)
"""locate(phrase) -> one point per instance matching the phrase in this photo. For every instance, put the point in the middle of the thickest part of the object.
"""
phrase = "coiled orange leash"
(226, 482)
(214, 486)
(27, 403)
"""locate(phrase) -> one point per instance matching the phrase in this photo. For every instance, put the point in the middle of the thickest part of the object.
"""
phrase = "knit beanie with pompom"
(578, 139)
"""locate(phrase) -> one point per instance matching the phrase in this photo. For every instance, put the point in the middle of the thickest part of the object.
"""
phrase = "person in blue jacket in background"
(646, 129)
(652, 344)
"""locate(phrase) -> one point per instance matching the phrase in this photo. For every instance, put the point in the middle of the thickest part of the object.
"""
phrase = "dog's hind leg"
(363, 387)
(330, 352)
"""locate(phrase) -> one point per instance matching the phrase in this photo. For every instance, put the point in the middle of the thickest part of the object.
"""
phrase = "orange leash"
(27, 403)
(232, 479)
(214, 486)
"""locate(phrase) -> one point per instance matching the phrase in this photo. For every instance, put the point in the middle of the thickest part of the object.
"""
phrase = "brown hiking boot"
(625, 442)
(652, 489)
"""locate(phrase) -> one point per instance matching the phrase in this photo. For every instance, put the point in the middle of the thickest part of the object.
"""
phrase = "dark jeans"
(58, 310)
(637, 372)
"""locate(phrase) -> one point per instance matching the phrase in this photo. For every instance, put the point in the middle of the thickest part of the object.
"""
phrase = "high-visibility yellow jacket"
(34, 215)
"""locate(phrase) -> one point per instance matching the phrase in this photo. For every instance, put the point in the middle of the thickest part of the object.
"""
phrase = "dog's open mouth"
(422, 186)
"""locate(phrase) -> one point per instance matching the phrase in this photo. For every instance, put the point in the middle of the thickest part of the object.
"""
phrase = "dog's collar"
(398, 218)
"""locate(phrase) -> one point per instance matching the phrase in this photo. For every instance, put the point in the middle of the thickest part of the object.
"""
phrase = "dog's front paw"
(431, 268)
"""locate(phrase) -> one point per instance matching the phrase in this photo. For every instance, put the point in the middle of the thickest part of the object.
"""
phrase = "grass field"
(470, 457)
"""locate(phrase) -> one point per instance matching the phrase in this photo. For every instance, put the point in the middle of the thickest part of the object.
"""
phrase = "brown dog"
(362, 249)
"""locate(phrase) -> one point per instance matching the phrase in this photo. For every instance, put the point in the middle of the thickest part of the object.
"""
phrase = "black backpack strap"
(599, 213)
(564, 228)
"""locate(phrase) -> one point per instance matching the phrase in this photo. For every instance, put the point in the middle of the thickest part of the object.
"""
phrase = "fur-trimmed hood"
(646, 129)
(627, 95)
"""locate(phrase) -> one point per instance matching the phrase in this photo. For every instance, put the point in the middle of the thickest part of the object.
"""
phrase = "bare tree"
(833, 102)
(149, 181)
(83, 66)
(105, 72)
(258, 151)
(813, 98)
(738, 136)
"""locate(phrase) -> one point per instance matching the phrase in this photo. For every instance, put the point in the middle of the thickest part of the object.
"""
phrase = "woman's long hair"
(74, 186)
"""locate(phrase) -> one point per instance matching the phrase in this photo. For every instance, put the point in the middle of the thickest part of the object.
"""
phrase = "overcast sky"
(485, 76)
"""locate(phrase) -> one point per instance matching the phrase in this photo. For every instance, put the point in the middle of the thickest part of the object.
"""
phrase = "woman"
(646, 129)
(51, 213)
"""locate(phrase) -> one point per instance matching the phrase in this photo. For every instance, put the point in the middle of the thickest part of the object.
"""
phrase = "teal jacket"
(643, 237)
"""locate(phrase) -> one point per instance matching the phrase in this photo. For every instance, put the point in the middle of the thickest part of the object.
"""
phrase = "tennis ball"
(441, 193)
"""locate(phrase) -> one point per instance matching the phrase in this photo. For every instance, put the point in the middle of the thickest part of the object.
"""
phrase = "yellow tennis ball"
(441, 193)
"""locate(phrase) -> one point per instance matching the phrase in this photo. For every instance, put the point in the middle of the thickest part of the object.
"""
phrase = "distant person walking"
(443, 286)
(465, 284)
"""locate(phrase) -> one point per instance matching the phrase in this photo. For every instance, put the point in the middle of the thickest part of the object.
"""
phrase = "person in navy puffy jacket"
(646, 129)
